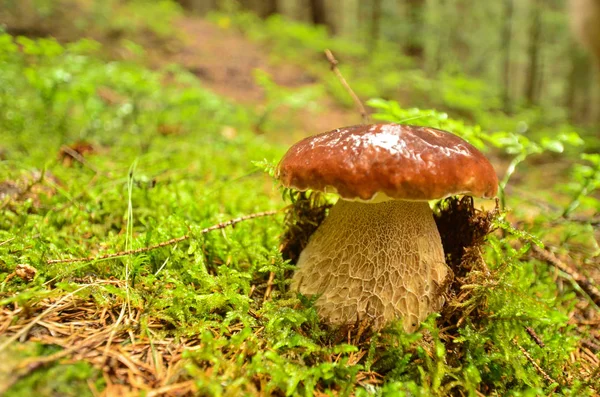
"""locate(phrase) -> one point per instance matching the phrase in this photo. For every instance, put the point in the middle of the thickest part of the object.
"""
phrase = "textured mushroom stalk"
(378, 261)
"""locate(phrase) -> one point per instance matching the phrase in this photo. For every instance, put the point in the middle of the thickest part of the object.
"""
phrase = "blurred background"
(523, 70)
(495, 63)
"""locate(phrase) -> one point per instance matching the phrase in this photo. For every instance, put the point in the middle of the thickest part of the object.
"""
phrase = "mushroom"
(378, 254)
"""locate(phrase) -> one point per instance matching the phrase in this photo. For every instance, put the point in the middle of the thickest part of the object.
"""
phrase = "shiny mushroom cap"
(402, 161)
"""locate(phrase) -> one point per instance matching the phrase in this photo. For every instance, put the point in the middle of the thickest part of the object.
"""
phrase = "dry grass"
(132, 359)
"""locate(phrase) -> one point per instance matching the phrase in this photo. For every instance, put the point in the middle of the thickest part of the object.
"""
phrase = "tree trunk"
(533, 51)
(375, 25)
(578, 85)
(585, 21)
(264, 8)
(442, 38)
(414, 44)
(318, 12)
(506, 40)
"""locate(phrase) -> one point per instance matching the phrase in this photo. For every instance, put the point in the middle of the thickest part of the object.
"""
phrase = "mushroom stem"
(382, 261)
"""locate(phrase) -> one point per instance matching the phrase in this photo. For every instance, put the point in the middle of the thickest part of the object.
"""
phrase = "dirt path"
(225, 60)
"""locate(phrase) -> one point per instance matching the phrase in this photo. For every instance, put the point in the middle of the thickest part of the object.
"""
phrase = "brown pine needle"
(54, 307)
(115, 327)
(269, 286)
(78, 157)
(174, 389)
(333, 62)
(172, 241)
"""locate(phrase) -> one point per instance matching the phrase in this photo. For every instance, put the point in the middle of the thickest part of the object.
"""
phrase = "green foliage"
(64, 93)
(304, 45)
(130, 17)
(384, 71)
(52, 379)
(291, 35)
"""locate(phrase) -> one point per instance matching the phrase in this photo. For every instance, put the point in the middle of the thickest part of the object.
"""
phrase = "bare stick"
(6, 241)
(535, 365)
(584, 283)
(269, 286)
(333, 62)
(172, 241)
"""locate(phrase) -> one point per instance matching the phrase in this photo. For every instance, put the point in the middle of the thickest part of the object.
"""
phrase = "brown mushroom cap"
(402, 161)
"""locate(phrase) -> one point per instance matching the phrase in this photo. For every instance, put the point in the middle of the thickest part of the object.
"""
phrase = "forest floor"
(273, 342)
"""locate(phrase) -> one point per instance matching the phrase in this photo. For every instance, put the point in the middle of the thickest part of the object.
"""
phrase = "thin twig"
(584, 283)
(269, 286)
(333, 62)
(530, 331)
(172, 241)
(535, 365)
(6, 241)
